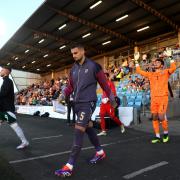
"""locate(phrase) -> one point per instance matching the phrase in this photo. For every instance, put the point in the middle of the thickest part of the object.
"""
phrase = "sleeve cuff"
(172, 61)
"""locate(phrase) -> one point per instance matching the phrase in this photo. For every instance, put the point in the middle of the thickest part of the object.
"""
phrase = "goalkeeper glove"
(168, 52)
(136, 57)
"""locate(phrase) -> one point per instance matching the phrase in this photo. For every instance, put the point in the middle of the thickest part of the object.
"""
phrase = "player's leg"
(163, 118)
(102, 120)
(100, 154)
(11, 120)
(155, 121)
(111, 112)
(83, 116)
(67, 169)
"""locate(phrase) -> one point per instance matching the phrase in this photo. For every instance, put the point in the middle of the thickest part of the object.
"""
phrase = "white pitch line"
(67, 152)
(47, 137)
(141, 171)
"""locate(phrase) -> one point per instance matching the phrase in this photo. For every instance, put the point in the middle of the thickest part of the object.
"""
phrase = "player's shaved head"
(78, 53)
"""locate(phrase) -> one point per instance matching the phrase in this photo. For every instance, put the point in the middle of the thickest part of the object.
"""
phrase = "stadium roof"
(42, 42)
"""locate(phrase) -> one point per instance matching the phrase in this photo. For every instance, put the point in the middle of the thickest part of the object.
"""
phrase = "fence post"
(135, 116)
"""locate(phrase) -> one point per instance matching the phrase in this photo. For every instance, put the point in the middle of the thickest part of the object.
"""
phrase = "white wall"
(24, 79)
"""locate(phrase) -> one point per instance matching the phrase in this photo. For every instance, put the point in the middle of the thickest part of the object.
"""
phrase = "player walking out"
(83, 79)
(7, 107)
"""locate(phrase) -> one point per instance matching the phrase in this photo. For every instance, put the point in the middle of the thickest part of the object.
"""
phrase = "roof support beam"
(156, 13)
(92, 25)
(60, 40)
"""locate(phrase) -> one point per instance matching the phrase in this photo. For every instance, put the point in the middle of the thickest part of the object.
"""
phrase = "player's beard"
(79, 60)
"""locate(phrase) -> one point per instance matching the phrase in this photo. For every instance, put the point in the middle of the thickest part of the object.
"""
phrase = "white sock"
(19, 132)
(70, 166)
(165, 132)
(100, 152)
(158, 135)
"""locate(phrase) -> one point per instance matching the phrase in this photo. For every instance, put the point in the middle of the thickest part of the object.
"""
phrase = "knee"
(90, 124)
(80, 128)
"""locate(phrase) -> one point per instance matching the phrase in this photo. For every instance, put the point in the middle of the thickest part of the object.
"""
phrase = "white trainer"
(23, 145)
(122, 128)
(102, 133)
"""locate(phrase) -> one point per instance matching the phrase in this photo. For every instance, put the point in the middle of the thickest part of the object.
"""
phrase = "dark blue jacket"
(83, 82)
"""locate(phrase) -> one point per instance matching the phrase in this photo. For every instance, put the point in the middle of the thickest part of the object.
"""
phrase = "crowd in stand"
(118, 72)
(41, 93)
(125, 71)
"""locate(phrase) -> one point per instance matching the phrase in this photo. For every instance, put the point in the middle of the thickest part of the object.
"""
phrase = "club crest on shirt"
(86, 71)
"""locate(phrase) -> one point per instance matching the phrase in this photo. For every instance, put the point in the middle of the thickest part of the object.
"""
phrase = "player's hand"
(61, 98)
(168, 52)
(136, 57)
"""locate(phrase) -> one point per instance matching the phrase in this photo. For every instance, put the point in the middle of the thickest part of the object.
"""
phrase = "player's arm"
(101, 78)
(67, 90)
(168, 53)
(138, 69)
(172, 67)
(143, 73)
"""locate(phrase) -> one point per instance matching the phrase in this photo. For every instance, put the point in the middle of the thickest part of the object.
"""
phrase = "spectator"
(70, 106)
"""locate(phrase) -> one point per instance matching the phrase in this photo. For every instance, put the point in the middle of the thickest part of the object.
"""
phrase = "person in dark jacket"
(70, 106)
(83, 79)
(7, 108)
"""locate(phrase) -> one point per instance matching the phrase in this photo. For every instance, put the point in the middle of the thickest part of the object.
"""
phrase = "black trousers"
(70, 106)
